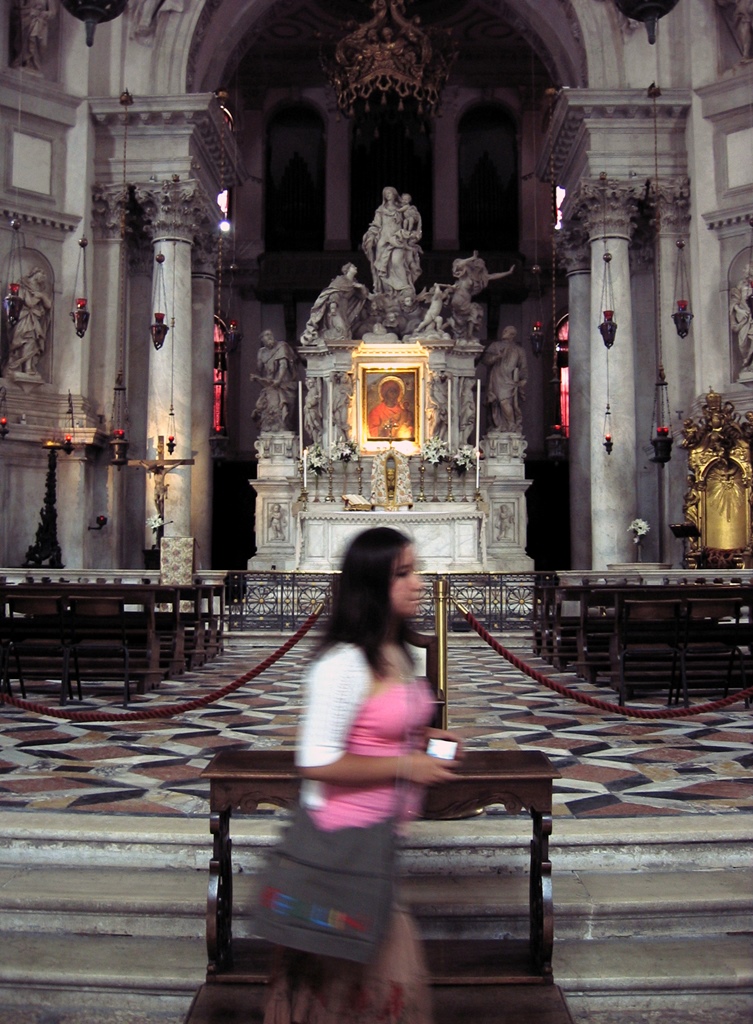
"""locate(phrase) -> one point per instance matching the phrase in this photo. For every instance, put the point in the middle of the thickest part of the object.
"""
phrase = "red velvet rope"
(594, 702)
(172, 709)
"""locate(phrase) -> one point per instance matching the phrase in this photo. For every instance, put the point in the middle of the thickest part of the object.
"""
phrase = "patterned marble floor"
(610, 765)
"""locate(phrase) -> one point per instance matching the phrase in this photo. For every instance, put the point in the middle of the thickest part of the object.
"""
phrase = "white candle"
(478, 414)
(449, 413)
(305, 457)
(300, 418)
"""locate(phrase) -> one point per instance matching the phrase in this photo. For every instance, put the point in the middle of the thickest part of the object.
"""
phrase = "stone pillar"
(202, 290)
(608, 208)
(678, 353)
(175, 210)
(573, 252)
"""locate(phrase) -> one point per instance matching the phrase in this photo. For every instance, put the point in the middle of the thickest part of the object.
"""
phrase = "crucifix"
(160, 467)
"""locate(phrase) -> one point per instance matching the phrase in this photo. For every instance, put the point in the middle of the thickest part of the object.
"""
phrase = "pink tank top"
(388, 723)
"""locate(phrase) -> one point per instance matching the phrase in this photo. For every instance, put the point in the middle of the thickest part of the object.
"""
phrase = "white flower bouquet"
(639, 528)
(316, 459)
(345, 451)
(155, 522)
(464, 458)
(435, 450)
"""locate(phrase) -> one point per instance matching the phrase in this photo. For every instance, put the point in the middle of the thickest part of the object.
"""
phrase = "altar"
(390, 418)
(444, 535)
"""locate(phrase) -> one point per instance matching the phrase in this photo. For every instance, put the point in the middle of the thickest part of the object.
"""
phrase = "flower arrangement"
(345, 451)
(317, 460)
(464, 458)
(155, 523)
(435, 450)
(639, 528)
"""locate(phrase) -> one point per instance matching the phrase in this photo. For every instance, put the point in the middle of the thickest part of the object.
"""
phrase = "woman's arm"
(362, 770)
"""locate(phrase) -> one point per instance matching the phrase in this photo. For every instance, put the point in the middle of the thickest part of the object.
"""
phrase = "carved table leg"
(541, 902)
(220, 895)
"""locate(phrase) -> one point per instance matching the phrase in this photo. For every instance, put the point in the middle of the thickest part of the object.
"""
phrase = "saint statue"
(741, 318)
(312, 409)
(506, 384)
(29, 338)
(336, 309)
(342, 392)
(391, 244)
(471, 277)
(276, 362)
(32, 20)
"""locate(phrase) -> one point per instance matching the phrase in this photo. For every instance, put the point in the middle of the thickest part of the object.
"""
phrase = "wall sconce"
(101, 521)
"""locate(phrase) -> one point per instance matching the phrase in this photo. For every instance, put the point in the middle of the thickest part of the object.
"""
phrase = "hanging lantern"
(159, 330)
(79, 312)
(218, 443)
(13, 303)
(556, 444)
(171, 431)
(536, 338)
(94, 12)
(608, 328)
(608, 442)
(682, 315)
(4, 429)
(80, 317)
(119, 429)
(661, 435)
(233, 337)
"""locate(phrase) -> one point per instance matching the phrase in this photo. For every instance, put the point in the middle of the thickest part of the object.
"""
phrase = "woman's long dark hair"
(361, 612)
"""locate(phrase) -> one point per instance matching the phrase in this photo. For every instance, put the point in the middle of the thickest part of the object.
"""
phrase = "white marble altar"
(447, 535)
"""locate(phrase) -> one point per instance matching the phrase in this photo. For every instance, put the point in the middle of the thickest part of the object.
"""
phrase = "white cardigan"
(335, 687)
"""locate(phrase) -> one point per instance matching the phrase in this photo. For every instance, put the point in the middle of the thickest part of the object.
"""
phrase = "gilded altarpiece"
(720, 478)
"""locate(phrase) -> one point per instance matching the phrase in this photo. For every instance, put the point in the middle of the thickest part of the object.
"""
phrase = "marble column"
(174, 210)
(608, 208)
(573, 253)
(203, 290)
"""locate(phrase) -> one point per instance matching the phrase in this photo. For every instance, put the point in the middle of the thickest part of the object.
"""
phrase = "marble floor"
(611, 765)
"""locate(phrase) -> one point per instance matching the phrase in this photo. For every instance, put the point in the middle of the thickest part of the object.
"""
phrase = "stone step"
(154, 979)
(147, 903)
(492, 843)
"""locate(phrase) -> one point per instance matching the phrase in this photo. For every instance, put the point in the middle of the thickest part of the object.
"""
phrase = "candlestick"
(449, 413)
(300, 419)
(478, 466)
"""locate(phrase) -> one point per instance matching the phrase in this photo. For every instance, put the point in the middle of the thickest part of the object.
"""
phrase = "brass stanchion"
(440, 620)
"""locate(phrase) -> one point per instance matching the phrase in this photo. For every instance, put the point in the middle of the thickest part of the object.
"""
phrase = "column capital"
(674, 204)
(108, 202)
(176, 209)
(606, 207)
(573, 249)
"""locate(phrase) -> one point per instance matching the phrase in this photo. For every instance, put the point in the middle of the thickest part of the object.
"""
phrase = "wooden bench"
(241, 780)
(508, 979)
(154, 620)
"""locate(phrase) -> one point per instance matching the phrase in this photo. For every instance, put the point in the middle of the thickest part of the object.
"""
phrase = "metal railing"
(281, 601)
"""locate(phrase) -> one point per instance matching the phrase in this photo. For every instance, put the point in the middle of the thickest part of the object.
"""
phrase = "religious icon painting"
(390, 404)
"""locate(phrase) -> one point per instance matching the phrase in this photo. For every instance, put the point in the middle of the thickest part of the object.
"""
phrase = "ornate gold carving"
(720, 478)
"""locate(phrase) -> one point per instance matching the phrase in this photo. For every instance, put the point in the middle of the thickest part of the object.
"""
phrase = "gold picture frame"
(390, 409)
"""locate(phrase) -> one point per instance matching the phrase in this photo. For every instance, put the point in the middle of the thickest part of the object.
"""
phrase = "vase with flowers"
(435, 451)
(639, 528)
(317, 462)
(462, 460)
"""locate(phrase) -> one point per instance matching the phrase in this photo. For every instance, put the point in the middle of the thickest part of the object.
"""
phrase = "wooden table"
(518, 780)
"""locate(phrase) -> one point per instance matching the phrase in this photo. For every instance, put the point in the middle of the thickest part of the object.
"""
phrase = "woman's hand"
(445, 734)
(425, 770)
